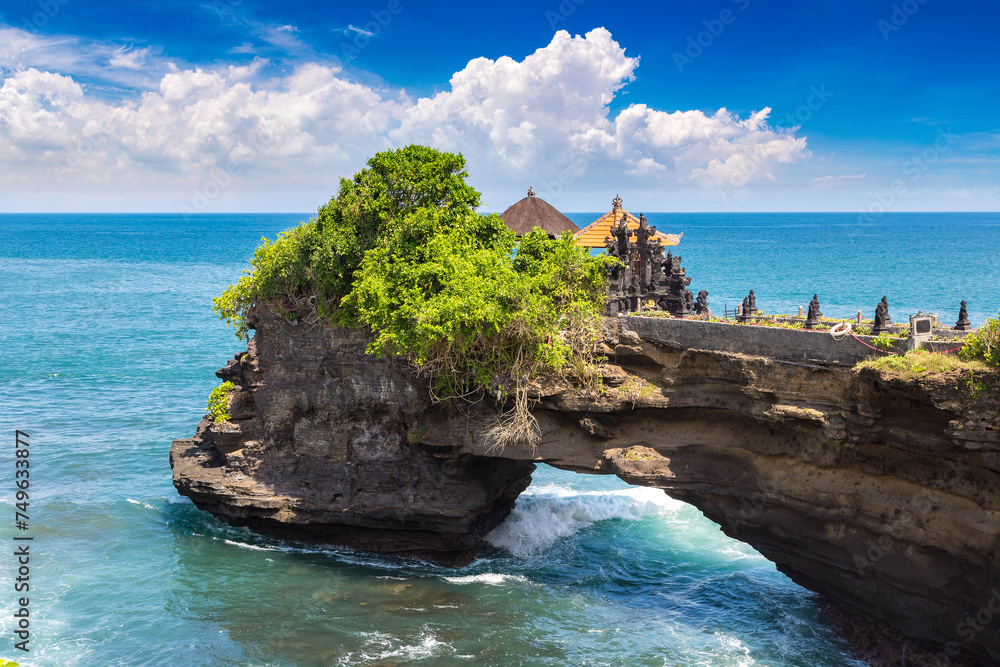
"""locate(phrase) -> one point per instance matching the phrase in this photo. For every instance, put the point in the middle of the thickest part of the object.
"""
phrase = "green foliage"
(218, 402)
(451, 294)
(311, 268)
(984, 343)
(635, 388)
(972, 385)
(920, 363)
(883, 342)
(402, 250)
(633, 454)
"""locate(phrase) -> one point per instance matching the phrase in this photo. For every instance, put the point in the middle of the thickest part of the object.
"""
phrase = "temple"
(592, 236)
(645, 279)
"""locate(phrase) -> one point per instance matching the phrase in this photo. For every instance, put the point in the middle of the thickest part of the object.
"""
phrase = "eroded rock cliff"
(323, 445)
(883, 495)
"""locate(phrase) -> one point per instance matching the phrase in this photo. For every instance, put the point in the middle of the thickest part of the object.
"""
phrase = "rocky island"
(877, 488)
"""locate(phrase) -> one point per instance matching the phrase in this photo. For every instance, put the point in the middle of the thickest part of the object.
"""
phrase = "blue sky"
(714, 105)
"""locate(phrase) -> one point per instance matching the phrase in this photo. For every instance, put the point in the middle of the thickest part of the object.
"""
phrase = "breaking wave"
(549, 513)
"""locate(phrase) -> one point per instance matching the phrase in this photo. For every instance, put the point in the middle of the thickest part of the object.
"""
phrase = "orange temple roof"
(592, 236)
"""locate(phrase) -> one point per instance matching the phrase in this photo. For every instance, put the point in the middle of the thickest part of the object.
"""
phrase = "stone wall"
(798, 345)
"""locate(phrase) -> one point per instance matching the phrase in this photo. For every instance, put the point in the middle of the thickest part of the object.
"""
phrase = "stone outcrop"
(323, 446)
(883, 495)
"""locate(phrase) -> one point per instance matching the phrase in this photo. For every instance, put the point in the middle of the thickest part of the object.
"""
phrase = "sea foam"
(489, 578)
(544, 515)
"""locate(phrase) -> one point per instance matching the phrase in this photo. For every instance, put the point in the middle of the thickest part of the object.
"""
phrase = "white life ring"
(840, 330)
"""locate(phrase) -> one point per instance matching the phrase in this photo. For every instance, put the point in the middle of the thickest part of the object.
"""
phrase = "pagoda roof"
(533, 212)
(592, 236)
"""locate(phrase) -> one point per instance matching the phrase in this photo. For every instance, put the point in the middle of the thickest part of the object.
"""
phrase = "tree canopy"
(402, 249)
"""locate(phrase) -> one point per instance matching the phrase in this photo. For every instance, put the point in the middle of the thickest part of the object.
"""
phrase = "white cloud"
(360, 31)
(129, 58)
(542, 117)
(106, 61)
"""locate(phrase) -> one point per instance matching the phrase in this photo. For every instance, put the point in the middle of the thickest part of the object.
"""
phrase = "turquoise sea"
(108, 347)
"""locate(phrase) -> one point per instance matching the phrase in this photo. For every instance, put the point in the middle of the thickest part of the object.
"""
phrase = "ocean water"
(108, 346)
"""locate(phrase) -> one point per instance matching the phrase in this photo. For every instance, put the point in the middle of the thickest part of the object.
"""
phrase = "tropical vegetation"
(402, 250)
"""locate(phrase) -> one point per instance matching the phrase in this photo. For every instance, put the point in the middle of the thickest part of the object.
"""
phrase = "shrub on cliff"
(218, 402)
(984, 343)
(402, 249)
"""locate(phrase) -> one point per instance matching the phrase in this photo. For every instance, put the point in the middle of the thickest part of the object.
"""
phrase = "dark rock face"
(882, 495)
(325, 449)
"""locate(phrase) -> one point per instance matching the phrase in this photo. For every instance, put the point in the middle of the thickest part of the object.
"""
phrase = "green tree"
(312, 266)
(402, 249)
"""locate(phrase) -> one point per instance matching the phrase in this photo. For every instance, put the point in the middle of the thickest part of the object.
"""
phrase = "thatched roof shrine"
(533, 212)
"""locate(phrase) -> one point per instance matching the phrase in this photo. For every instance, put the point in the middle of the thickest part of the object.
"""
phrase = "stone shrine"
(812, 317)
(963, 323)
(645, 279)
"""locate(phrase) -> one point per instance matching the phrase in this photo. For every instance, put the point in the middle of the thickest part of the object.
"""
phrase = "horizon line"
(207, 213)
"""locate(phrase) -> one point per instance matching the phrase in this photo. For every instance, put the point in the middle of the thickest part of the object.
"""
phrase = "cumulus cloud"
(545, 115)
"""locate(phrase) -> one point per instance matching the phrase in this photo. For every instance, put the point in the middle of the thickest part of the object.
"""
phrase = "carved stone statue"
(748, 307)
(879, 326)
(814, 308)
(963, 323)
(643, 232)
(611, 246)
(885, 311)
(812, 317)
(688, 301)
(882, 319)
(634, 300)
(701, 307)
(622, 235)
